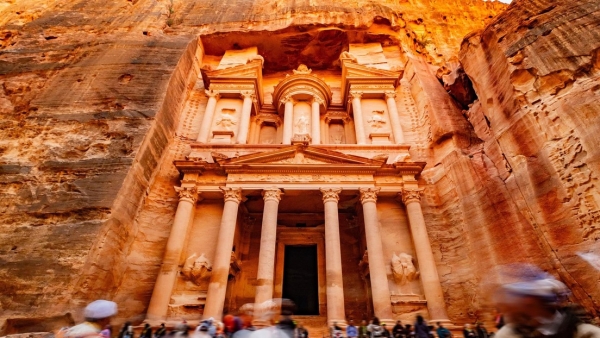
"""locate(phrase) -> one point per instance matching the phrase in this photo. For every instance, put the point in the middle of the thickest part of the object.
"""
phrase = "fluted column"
(316, 121)
(159, 303)
(380, 290)
(268, 237)
(428, 270)
(358, 118)
(395, 119)
(245, 119)
(333, 258)
(288, 120)
(215, 297)
(209, 113)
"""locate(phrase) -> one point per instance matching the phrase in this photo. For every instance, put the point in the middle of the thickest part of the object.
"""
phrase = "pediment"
(300, 156)
(354, 70)
(252, 69)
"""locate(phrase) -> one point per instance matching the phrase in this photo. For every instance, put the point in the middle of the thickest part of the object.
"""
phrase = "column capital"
(390, 94)
(273, 194)
(410, 195)
(247, 94)
(286, 99)
(356, 94)
(189, 194)
(232, 194)
(319, 100)
(368, 194)
(331, 194)
(212, 93)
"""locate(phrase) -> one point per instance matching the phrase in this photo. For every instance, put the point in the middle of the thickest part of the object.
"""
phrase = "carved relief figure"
(336, 133)
(197, 269)
(377, 121)
(403, 268)
(301, 125)
(227, 120)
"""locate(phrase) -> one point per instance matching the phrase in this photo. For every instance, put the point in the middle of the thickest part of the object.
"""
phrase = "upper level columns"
(380, 289)
(395, 119)
(288, 120)
(268, 237)
(316, 121)
(215, 297)
(209, 114)
(333, 257)
(159, 303)
(358, 117)
(245, 118)
(429, 275)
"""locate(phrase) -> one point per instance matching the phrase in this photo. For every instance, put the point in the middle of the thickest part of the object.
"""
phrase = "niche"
(268, 133)
(337, 133)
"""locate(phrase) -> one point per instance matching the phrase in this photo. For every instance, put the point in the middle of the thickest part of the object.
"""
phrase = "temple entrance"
(301, 278)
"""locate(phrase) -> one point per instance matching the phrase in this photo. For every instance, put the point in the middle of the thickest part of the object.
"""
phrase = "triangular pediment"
(299, 155)
(252, 69)
(354, 70)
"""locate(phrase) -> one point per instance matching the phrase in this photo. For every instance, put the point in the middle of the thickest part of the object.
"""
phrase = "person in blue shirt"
(442, 332)
(351, 330)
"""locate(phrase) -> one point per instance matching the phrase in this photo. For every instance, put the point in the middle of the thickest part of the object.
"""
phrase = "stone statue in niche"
(227, 119)
(337, 134)
(196, 269)
(403, 268)
(377, 121)
(301, 125)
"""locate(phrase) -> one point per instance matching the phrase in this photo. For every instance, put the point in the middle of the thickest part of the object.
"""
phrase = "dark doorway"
(301, 278)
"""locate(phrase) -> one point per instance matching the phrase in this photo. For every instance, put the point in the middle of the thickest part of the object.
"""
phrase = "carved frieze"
(298, 178)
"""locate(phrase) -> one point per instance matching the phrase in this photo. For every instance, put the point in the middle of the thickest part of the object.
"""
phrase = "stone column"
(242, 137)
(380, 290)
(429, 275)
(315, 124)
(358, 118)
(215, 297)
(268, 237)
(209, 113)
(395, 119)
(288, 120)
(333, 258)
(159, 303)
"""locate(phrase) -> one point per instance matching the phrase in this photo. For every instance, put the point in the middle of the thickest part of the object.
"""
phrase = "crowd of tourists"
(536, 306)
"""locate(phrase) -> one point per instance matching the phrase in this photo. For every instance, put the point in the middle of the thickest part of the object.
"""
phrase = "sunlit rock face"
(99, 97)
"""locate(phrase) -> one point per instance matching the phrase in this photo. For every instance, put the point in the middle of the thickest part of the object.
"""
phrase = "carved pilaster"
(368, 194)
(232, 194)
(410, 195)
(273, 194)
(187, 194)
(331, 194)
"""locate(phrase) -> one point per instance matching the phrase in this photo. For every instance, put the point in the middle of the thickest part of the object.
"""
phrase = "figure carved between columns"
(411, 195)
(232, 194)
(368, 194)
(187, 193)
(403, 268)
(197, 269)
(272, 194)
(331, 194)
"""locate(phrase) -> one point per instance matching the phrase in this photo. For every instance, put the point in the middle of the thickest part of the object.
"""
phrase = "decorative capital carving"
(247, 94)
(286, 99)
(390, 94)
(411, 195)
(232, 194)
(368, 194)
(356, 94)
(212, 93)
(319, 100)
(331, 194)
(187, 194)
(272, 194)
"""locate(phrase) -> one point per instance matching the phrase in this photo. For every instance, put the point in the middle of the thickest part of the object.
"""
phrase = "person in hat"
(534, 305)
(97, 316)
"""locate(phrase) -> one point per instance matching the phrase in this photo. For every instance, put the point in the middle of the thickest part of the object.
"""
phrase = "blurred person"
(409, 331)
(97, 316)
(300, 331)
(146, 332)
(202, 330)
(246, 317)
(351, 330)
(481, 331)
(375, 329)
(421, 329)
(362, 330)
(442, 332)
(431, 331)
(161, 332)
(107, 331)
(386, 332)
(286, 324)
(398, 330)
(336, 331)
(468, 332)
